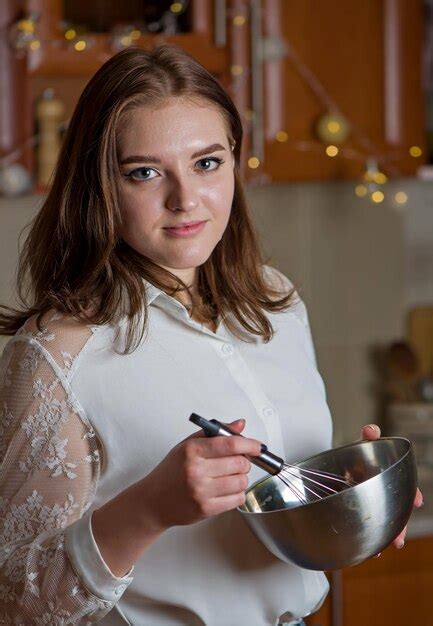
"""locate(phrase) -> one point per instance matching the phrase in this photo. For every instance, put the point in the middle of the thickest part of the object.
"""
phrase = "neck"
(190, 278)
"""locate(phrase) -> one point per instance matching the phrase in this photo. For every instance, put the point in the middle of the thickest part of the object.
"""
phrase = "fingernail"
(400, 545)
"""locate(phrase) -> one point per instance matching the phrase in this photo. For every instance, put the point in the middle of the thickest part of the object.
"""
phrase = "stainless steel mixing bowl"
(344, 528)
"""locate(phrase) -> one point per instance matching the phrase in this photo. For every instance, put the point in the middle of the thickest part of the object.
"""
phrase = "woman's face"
(177, 169)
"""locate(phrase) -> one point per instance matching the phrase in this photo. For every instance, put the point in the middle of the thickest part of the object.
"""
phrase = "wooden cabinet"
(362, 56)
(60, 64)
(394, 589)
(56, 58)
(285, 63)
(323, 617)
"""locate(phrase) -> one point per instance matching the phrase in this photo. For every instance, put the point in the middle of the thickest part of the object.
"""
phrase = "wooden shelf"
(56, 57)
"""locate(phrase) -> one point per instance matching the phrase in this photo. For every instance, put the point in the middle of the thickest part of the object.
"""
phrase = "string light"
(253, 163)
(332, 151)
(80, 45)
(378, 196)
(281, 136)
(332, 128)
(415, 151)
(400, 197)
(236, 70)
(361, 191)
(70, 34)
(380, 178)
(239, 20)
(22, 34)
(373, 178)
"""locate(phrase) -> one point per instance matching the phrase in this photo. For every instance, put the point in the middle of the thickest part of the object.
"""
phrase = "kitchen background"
(337, 103)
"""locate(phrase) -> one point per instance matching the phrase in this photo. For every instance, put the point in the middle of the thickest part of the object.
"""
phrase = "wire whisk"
(305, 484)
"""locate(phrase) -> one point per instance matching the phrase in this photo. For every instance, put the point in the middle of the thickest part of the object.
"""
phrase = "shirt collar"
(160, 298)
(152, 292)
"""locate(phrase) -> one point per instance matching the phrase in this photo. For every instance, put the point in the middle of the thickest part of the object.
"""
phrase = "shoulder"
(59, 336)
(276, 279)
(279, 281)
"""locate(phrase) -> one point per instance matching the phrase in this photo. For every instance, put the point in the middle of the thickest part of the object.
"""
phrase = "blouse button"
(268, 412)
(227, 348)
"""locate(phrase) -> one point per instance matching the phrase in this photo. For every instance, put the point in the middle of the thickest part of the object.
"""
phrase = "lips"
(188, 229)
(184, 225)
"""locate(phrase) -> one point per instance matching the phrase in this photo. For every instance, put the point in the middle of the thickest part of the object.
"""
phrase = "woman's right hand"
(200, 477)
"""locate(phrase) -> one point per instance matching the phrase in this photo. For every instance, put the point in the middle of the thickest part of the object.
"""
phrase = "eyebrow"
(148, 158)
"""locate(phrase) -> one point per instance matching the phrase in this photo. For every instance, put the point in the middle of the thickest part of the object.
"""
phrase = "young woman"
(145, 299)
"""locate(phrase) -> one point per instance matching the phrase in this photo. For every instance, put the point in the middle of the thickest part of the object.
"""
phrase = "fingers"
(237, 425)
(419, 499)
(216, 447)
(370, 432)
(227, 486)
(399, 541)
(228, 465)
(215, 506)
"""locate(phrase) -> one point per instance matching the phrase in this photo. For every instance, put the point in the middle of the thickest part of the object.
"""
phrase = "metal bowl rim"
(333, 495)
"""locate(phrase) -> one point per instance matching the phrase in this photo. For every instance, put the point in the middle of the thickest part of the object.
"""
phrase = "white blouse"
(79, 423)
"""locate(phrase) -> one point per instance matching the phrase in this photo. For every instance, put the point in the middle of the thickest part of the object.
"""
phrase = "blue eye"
(215, 160)
(135, 176)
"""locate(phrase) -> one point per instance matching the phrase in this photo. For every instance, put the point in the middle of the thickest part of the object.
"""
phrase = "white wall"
(418, 245)
(347, 257)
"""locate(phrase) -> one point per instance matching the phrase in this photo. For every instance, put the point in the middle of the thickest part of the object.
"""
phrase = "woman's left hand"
(372, 431)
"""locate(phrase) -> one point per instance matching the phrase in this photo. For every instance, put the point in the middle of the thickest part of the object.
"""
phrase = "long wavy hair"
(74, 259)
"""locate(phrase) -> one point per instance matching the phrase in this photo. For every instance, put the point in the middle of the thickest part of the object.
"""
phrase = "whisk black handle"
(268, 461)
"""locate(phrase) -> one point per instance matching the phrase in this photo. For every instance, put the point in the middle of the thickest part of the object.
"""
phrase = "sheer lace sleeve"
(49, 468)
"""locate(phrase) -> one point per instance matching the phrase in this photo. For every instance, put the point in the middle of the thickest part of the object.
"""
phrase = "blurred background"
(336, 98)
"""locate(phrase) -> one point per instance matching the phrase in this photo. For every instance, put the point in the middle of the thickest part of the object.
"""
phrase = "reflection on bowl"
(344, 528)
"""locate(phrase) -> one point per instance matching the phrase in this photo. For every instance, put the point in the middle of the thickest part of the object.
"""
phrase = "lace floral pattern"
(49, 467)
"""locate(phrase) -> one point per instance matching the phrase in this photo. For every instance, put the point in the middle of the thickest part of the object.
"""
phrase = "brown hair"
(74, 259)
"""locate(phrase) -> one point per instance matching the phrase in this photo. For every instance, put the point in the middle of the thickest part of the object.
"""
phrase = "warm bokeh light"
(80, 45)
(35, 45)
(176, 7)
(239, 20)
(400, 197)
(332, 151)
(126, 40)
(415, 151)
(236, 70)
(28, 26)
(249, 114)
(253, 163)
(281, 136)
(333, 126)
(361, 191)
(380, 178)
(70, 34)
(135, 34)
(377, 196)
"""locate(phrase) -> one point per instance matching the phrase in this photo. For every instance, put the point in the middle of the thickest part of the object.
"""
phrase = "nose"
(182, 196)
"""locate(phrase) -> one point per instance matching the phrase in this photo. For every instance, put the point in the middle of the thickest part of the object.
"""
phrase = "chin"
(186, 264)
